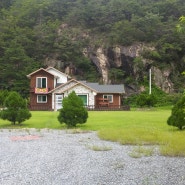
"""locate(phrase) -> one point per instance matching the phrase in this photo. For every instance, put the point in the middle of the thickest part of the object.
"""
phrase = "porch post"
(54, 101)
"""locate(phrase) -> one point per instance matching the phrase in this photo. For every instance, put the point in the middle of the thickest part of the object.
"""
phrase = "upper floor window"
(41, 82)
(108, 97)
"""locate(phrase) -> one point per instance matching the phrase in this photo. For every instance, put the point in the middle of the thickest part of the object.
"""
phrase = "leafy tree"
(177, 117)
(73, 111)
(15, 109)
(3, 95)
(181, 24)
(116, 75)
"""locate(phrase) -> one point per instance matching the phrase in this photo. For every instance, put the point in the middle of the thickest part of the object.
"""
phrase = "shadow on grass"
(9, 125)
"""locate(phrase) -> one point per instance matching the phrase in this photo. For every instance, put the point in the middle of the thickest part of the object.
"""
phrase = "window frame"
(38, 101)
(41, 82)
(87, 103)
(106, 96)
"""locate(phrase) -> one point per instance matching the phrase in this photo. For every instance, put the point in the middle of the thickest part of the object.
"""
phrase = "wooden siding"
(33, 97)
(40, 106)
(115, 104)
(50, 80)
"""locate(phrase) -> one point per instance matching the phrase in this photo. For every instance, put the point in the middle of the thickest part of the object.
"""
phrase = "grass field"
(136, 127)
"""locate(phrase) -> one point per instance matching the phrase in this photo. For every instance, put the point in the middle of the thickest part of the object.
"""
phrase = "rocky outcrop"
(161, 79)
(122, 57)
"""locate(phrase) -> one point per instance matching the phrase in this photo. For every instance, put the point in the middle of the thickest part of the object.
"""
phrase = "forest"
(33, 30)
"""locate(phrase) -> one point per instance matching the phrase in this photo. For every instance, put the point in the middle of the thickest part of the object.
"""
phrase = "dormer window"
(41, 82)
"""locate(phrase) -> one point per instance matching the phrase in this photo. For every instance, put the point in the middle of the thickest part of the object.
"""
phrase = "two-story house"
(49, 86)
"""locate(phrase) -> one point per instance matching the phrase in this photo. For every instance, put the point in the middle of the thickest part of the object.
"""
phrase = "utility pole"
(150, 81)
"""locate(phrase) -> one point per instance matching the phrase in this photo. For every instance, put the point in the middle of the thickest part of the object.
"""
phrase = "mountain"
(110, 41)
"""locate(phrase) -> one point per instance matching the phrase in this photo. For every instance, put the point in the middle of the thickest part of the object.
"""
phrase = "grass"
(99, 148)
(141, 151)
(136, 127)
(39, 120)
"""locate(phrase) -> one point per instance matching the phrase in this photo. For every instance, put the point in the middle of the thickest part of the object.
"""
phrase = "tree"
(3, 95)
(15, 109)
(177, 117)
(181, 25)
(73, 111)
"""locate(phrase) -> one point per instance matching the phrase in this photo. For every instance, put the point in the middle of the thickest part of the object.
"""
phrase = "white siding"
(61, 77)
(79, 90)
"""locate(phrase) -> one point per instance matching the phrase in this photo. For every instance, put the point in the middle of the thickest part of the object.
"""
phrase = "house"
(49, 86)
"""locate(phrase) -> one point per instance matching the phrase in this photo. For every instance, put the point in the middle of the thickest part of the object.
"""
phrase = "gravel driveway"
(56, 157)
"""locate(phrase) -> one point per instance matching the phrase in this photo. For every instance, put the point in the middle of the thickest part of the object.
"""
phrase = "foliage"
(177, 117)
(157, 98)
(116, 75)
(181, 25)
(15, 109)
(3, 95)
(144, 99)
(73, 111)
(33, 30)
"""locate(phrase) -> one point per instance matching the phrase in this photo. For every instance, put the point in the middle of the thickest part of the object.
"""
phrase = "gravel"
(60, 157)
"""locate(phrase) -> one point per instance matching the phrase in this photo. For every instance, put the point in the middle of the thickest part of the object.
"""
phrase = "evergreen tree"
(73, 111)
(177, 117)
(15, 109)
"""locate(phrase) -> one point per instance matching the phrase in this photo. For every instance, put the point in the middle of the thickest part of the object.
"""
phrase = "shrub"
(15, 109)
(73, 111)
(177, 117)
(146, 100)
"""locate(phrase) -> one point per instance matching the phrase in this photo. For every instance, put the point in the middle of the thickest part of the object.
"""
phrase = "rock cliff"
(123, 57)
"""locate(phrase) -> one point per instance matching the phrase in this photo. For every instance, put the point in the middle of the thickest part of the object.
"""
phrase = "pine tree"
(73, 111)
(177, 117)
(15, 109)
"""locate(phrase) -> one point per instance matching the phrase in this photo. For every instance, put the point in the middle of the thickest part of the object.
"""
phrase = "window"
(84, 98)
(109, 97)
(41, 99)
(41, 82)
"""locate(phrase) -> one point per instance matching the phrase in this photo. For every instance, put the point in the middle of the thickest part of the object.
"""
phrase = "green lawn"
(136, 127)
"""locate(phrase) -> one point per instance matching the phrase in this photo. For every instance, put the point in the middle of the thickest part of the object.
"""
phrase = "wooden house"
(49, 86)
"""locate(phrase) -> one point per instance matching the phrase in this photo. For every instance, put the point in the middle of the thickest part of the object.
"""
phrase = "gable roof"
(47, 70)
(41, 69)
(106, 88)
(76, 83)
(54, 69)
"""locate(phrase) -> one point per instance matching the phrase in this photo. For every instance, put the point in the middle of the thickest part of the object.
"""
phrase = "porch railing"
(89, 108)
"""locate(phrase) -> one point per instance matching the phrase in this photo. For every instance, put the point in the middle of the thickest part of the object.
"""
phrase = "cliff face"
(123, 58)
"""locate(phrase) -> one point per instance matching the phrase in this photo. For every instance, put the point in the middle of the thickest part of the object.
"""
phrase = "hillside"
(110, 41)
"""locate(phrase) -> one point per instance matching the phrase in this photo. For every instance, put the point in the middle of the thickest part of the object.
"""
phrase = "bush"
(177, 117)
(15, 109)
(73, 111)
(146, 100)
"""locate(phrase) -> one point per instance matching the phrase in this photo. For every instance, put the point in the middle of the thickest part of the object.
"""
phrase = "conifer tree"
(177, 117)
(73, 111)
(15, 109)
